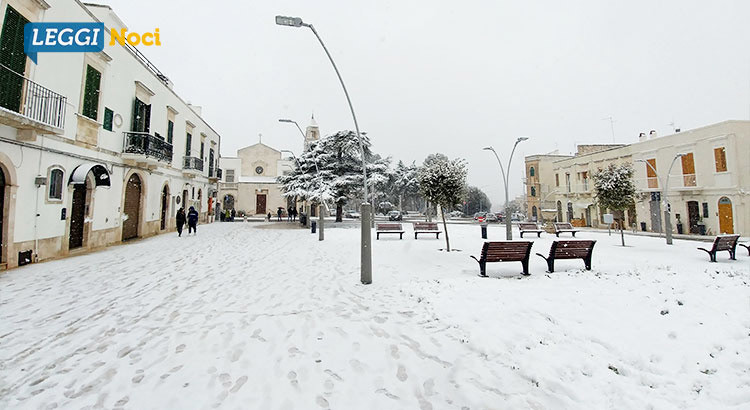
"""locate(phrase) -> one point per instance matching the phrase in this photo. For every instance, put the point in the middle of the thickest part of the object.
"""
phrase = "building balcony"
(141, 148)
(192, 166)
(29, 107)
(214, 174)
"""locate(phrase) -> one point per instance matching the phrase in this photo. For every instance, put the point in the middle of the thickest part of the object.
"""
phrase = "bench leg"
(415, 235)
(521, 234)
(551, 264)
(437, 235)
(557, 234)
(538, 234)
(401, 235)
(731, 255)
(377, 236)
(525, 264)
(713, 256)
(483, 269)
(587, 262)
(574, 234)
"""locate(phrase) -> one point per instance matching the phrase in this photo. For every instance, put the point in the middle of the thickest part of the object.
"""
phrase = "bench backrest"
(389, 227)
(563, 225)
(425, 226)
(506, 251)
(530, 226)
(725, 242)
(571, 249)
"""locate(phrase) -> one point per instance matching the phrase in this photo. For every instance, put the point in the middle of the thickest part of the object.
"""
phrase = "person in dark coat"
(278, 214)
(293, 211)
(192, 220)
(180, 219)
(233, 214)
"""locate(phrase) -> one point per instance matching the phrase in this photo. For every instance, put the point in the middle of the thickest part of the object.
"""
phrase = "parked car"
(479, 215)
(351, 214)
(490, 217)
(395, 216)
(456, 214)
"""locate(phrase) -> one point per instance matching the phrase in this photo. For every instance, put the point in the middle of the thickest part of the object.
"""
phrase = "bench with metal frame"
(569, 250)
(526, 227)
(427, 227)
(386, 228)
(507, 251)
(561, 227)
(723, 243)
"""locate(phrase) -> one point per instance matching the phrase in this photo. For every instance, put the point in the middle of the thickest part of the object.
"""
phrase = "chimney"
(677, 130)
(652, 134)
(196, 108)
(642, 137)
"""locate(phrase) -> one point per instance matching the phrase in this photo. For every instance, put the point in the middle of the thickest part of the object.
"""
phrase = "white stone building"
(249, 185)
(95, 148)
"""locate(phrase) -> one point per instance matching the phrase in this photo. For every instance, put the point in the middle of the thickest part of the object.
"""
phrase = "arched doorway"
(570, 212)
(164, 206)
(132, 208)
(81, 197)
(726, 218)
(2, 212)
(533, 213)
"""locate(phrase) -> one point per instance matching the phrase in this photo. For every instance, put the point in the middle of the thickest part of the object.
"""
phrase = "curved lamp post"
(366, 251)
(508, 229)
(665, 199)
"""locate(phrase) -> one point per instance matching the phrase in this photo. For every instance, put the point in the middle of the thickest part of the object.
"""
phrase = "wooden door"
(726, 220)
(2, 210)
(260, 204)
(131, 213)
(693, 216)
(164, 203)
(77, 216)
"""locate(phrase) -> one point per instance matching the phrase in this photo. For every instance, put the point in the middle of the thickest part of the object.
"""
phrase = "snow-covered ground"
(241, 317)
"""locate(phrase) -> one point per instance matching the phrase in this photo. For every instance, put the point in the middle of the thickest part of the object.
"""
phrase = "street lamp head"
(488, 149)
(682, 154)
(289, 21)
(522, 139)
(285, 120)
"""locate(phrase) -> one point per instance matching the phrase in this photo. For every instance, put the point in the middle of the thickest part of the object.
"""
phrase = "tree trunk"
(428, 208)
(445, 228)
(622, 234)
(339, 212)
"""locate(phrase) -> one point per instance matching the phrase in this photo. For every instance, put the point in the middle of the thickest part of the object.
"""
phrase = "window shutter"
(720, 158)
(170, 131)
(91, 93)
(108, 115)
(13, 57)
(188, 142)
(146, 118)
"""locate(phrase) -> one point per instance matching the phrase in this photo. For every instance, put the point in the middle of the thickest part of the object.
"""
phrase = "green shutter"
(12, 57)
(188, 141)
(91, 93)
(170, 131)
(108, 115)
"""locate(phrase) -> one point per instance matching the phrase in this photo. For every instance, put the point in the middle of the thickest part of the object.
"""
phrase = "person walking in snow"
(278, 214)
(293, 211)
(192, 220)
(180, 219)
(233, 213)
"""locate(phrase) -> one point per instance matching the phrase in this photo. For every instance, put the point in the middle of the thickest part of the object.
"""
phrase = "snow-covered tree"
(615, 190)
(443, 181)
(476, 201)
(405, 186)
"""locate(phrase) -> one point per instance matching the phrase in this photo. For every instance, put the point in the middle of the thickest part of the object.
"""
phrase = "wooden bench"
(526, 227)
(723, 243)
(746, 247)
(394, 228)
(426, 227)
(561, 227)
(569, 250)
(517, 251)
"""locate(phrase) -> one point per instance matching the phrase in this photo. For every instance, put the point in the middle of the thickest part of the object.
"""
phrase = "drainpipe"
(36, 202)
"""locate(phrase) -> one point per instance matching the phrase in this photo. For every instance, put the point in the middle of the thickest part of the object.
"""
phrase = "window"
(203, 145)
(170, 131)
(12, 57)
(91, 93)
(720, 158)
(567, 181)
(585, 176)
(55, 184)
(141, 116)
(557, 179)
(533, 191)
(188, 142)
(230, 175)
(108, 115)
(653, 180)
(705, 209)
(531, 171)
(688, 169)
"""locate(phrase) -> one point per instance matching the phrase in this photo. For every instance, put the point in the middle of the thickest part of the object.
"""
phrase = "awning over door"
(101, 175)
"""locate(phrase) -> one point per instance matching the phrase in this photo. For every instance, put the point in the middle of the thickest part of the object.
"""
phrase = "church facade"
(249, 181)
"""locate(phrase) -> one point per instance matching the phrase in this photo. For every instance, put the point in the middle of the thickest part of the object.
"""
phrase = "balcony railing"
(192, 163)
(31, 100)
(688, 180)
(142, 143)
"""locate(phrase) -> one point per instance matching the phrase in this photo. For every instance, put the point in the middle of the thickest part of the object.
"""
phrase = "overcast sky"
(453, 77)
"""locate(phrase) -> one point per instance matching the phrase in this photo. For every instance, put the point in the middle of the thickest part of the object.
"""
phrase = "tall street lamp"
(295, 123)
(366, 248)
(665, 199)
(508, 229)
